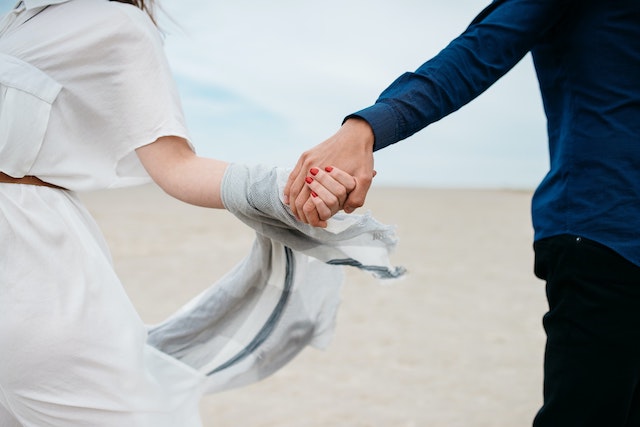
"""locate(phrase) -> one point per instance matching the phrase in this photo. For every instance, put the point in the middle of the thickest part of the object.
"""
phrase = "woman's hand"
(329, 188)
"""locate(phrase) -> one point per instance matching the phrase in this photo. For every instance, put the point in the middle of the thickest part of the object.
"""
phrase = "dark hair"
(147, 6)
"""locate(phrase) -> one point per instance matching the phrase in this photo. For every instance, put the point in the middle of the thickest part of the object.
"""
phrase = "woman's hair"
(146, 5)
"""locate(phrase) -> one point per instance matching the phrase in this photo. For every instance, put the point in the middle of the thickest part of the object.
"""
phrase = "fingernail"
(313, 194)
(314, 171)
(286, 199)
(308, 180)
(328, 168)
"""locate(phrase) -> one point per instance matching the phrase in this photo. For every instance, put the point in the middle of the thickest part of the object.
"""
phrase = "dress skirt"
(73, 350)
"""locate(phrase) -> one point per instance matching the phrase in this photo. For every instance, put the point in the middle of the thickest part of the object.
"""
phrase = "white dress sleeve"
(117, 92)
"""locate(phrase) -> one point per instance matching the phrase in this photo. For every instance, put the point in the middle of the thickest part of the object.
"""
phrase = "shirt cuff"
(382, 119)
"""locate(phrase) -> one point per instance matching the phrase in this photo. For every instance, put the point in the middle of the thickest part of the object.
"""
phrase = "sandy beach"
(458, 342)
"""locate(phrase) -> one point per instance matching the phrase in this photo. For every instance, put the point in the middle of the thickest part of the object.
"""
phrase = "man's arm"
(497, 39)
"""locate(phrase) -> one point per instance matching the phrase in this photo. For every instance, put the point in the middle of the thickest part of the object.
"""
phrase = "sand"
(458, 342)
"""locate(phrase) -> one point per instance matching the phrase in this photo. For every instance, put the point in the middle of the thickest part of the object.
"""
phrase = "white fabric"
(6, 419)
(32, 4)
(72, 347)
(71, 66)
(83, 83)
(283, 296)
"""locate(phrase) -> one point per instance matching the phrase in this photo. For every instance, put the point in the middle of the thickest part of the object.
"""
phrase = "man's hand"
(351, 150)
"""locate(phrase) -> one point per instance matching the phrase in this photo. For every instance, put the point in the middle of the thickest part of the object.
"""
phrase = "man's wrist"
(382, 121)
(363, 130)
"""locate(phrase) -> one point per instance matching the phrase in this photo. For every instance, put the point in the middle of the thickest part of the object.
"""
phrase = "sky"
(263, 81)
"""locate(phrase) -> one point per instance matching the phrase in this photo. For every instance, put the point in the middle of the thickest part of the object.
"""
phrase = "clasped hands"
(332, 176)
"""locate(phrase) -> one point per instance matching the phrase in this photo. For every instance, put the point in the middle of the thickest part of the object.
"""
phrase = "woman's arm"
(174, 166)
(182, 174)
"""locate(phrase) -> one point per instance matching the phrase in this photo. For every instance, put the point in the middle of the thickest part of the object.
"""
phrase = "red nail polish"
(313, 194)
(328, 168)
(314, 171)
(308, 180)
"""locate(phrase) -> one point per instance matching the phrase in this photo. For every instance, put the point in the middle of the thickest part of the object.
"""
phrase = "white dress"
(83, 83)
(72, 347)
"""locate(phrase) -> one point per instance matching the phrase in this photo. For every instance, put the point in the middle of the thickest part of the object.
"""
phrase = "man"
(586, 211)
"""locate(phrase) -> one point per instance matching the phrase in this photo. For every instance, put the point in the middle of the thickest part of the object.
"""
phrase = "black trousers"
(592, 356)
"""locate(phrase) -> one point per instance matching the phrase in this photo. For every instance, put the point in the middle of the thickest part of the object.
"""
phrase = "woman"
(87, 102)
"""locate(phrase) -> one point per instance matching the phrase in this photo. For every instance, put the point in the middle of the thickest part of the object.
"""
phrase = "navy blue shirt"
(587, 58)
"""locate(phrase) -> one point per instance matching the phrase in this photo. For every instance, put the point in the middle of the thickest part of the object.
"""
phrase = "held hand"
(329, 189)
(351, 150)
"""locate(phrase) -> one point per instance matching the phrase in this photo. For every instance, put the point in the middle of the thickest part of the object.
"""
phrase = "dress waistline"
(30, 180)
